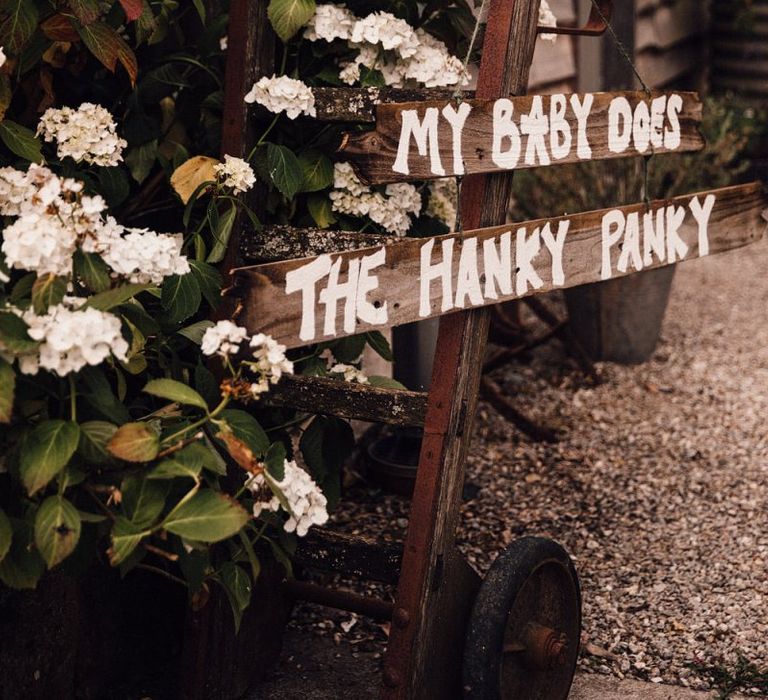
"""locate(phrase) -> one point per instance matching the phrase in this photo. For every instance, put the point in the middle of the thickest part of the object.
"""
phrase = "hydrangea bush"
(133, 428)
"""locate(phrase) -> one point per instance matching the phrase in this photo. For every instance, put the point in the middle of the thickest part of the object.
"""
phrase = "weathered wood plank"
(310, 300)
(285, 242)
(427, 140)
(366, 557)
(349, 400)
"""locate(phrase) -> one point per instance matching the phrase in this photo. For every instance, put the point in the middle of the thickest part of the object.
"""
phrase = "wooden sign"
(309, 300)
(428, 140)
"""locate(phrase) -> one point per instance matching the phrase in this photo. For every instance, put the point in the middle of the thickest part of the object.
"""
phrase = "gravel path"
(659, 488)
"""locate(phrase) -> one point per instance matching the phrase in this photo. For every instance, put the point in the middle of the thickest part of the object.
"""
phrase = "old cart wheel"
(523, 636)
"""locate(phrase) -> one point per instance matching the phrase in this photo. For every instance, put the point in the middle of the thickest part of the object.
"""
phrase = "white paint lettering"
(582, 111)
(654, 238)
(672, 135)
(366, 311)
(619, 125)
(335, 291)
(535, 125)
(304, 279)
(676, 246)
(614, 219)
(658, 109)
(702, 212)
(457, 119)
(505, 128)
(468, 281)
(641, 127)
(526, 250)
(425, 133)
(555, 245)
(429, 272)
(560, 138)
(497, 265)
(631, 247)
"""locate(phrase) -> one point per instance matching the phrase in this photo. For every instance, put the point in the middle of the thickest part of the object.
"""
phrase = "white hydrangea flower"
(283, 94)
(270, 362)
(547, 19)
(432, 65)
(390, 209)
(145, 257)
(308, 506)
(351, 373)
(70, 339)
(223, 339)
(224, 43)
(344, 178)
(41, 243)
(87, 133)
(330, 22)
(444, 200)
(236, 174)
(2, 57)
(384, 28)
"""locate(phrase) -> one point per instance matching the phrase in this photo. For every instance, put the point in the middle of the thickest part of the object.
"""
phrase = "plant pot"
(620, 320)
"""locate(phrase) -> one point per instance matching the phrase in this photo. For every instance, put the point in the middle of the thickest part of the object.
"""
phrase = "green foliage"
(288, 16)
(57, 529)
(208, 516)
(46, 451)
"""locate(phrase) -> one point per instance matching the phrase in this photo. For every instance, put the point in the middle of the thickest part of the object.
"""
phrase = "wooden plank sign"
(299, 302)
(428, 140)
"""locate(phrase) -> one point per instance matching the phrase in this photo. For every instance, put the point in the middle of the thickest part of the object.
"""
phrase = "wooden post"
(434, 595)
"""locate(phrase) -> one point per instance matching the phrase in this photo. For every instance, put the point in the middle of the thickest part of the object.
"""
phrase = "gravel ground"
(659, 487)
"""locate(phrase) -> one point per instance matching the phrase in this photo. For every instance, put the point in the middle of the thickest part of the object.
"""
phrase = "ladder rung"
(365, 557)
(275, 243)
(349, 400)
(339, 104)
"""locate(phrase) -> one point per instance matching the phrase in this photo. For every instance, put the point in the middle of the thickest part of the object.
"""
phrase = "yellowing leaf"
(134, 442)
(188, 177)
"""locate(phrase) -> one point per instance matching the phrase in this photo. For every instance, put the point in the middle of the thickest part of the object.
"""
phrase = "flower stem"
(72, 398)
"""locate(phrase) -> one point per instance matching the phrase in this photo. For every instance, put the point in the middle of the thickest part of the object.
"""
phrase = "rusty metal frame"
(599, 17)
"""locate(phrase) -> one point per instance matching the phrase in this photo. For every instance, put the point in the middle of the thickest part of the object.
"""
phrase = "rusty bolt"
(401, 617)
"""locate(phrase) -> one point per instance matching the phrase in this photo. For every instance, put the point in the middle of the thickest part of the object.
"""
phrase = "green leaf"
(7, 391)
(105, 301)
(206, 384)
(200, 9)
(48, 290)
(385, 383)
(22, 566)
(94, 437)
(247, 429)
(6, 534)
(141, 159)
(208, 516)
(13, 334)
(46, 451)
(209, 279)
(311, 446)
(21, 141)
(92, 270)
(57, 529)
(114, 185)
(143, 500)
(379, 344)
(237, 585)
(288, 16)
(195, 331)
(109, 47)
(349, 350)
(317, 170)
(125, 538)
(221, 234)
(284, 169)
(134, 442)
(185, 463)
(19, 23)
(97, 392)
(321, 210)
(275, 461)
(175, 391)
(180, 297)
